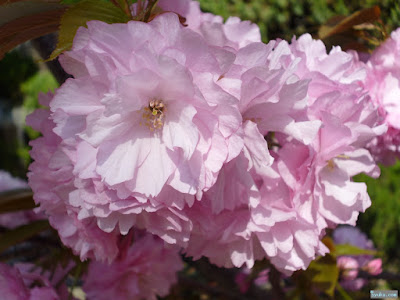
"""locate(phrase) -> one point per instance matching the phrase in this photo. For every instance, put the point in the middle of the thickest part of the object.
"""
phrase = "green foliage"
(324, 273)
(381, 222)
(347, 249)
(321, 276)
(41, 82)
(15, 68)
(285, 18)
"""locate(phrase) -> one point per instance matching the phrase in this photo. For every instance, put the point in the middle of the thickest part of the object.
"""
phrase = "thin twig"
(384, 275)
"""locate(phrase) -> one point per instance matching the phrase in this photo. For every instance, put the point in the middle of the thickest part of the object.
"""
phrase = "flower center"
(153, 115)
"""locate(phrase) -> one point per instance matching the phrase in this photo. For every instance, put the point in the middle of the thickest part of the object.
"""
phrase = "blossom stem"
(384, 275)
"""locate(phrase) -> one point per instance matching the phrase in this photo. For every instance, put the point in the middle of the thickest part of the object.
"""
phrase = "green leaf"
(347, 249)
(124, 5)
(82, 12)
(22, 233)
(16, 200)
(324, 274)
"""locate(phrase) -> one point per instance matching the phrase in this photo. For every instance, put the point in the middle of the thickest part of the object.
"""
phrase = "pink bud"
(349, 267)
(374, 267)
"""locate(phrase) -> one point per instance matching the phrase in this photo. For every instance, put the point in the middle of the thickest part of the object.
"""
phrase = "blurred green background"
(285, 18)
(22, 78)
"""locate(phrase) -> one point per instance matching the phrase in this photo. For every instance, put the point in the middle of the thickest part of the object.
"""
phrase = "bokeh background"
(23, 75)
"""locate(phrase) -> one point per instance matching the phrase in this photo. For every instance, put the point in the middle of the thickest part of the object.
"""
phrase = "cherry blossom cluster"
(204, 136)
(15, 284)
(141, 271)
(383, 85)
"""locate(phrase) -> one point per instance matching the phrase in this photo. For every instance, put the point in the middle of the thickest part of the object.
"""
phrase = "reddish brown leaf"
(363, 16)
(10, 11)
(29, 27)
(5, 2)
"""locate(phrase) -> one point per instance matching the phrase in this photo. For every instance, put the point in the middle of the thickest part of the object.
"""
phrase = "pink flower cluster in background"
(14, 285)
(205, 137)
(141, 271)
(350, 265)
(7, 182)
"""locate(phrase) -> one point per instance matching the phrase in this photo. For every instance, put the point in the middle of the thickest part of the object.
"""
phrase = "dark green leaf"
(124, 5)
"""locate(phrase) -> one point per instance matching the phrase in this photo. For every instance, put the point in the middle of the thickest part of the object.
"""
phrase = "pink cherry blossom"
(51, 180)
(144, 270)
(338, 152)
(349, 267)
(232, 34)
(157, 122)
(142, 143)
(205, 137)
(54, 280)
(12, 286)
(383, 84)
(374, 267)
(323, 116)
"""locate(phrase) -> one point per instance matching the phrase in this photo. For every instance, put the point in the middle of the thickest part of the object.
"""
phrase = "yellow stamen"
(153, 115)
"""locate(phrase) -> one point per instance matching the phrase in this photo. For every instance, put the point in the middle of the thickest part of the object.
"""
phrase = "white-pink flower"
(231, 35)
(205, 137)
(348, 266)
(317, 122)
(141, 132)
(51, 180)
(157, 119)
(383, 85)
